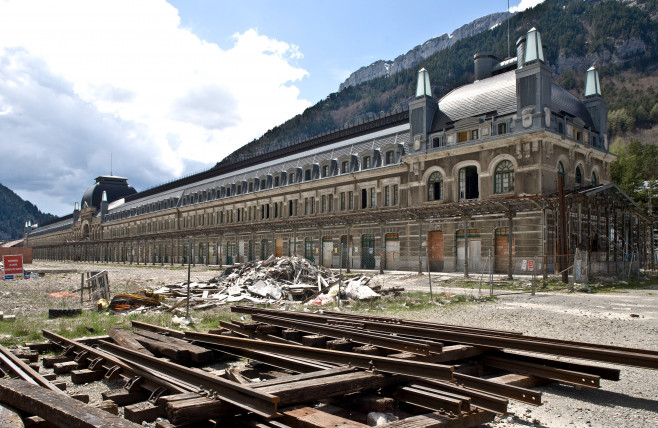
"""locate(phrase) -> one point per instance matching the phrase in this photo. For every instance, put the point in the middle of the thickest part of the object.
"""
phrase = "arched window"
(504, 177)
(595, 179)
(579, 176)
(435, 187)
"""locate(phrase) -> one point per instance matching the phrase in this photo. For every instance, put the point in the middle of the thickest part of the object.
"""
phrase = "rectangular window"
(462, 136)
(323, 205)
(372, 198)
(342, 201)
(276, 181)
(350, 200)
(366, 162)
(290, 211)
(387, 201)
(345, 167)
(262, 212)
(325, 171)
(306, 206)
(291, 178)
(330, 203)
(474, 134)
(312, 204)
(502, 128)
(395, 194)
(307, 175)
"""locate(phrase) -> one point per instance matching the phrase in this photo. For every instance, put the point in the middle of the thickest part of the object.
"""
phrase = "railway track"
(306, 370)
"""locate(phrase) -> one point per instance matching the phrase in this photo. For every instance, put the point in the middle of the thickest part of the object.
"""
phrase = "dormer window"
(325, 171)
(344, 167)
(263, 184)
(367, 162)
(291, 178)
(502, 128)
(390, 157)
(307, 174)
(474, 134)
(251, 187)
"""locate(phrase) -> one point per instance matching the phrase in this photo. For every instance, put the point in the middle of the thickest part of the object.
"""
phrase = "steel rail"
(517, 393)
(158, 329)
(391, 320)
(602, 372)
(435, 347)
(482, 400)
(383, 364)
(524, 343)
(589, 351)
(24, 371)
(539, 370)
(392, 343)
(161, 379)
(478, 330)
(231, 392)
(339, 316)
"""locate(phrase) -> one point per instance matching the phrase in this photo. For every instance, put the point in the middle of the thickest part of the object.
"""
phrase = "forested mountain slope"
(619, 37)
(14, 212)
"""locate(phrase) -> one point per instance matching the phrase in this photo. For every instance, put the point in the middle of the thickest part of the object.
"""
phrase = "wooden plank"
(127, 340)
(144, 411)
(306, 391)
(197, 409)
(197, 353)
(59, 409)
(122, 397)
(308, 417)
(164, 349)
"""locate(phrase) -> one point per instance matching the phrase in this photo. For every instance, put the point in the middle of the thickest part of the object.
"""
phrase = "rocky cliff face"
(386, 68)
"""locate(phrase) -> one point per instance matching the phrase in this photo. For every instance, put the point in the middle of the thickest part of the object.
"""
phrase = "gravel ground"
(588, 317)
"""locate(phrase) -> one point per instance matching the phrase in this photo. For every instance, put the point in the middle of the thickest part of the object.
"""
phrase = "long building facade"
(511, 164)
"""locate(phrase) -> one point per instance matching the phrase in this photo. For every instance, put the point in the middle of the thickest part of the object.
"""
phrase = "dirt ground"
(624, 318)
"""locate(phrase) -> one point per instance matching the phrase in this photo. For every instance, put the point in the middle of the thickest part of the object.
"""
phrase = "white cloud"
(525, 4)
(80, 79)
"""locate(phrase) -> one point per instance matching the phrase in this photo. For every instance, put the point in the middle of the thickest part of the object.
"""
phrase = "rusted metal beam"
(384, 364)
(24, 371)
(517, 393)
(540, 370)
(415, 347)
(231, 392)
(110, 363)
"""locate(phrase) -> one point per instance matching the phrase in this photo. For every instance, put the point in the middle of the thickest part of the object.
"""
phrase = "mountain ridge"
(384, 68)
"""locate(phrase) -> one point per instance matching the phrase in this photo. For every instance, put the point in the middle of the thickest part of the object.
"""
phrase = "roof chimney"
(484, 64)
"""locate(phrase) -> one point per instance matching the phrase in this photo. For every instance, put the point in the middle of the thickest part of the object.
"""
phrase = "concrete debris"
(273, 280)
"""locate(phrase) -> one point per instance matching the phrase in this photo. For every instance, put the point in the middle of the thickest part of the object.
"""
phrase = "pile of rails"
(273, 280)
(312, 370)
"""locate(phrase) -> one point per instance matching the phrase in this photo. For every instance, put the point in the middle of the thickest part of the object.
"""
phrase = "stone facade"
(398, 193)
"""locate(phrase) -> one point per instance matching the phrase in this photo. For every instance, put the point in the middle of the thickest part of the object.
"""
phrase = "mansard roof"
(496, 96)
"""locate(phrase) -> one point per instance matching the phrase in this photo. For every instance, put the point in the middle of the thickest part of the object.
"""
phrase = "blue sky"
(335, 37)
(154, 90)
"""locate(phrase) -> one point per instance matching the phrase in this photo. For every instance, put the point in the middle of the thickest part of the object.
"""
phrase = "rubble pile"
(268, 281)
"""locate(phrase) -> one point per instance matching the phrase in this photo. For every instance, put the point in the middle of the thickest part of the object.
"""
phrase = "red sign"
(531, 264)
(13, 264)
